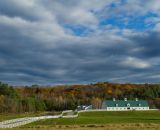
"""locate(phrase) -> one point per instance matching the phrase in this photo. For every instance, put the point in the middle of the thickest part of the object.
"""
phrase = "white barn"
(124, 105)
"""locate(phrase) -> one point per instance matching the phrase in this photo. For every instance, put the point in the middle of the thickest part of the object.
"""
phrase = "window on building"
(128, 105)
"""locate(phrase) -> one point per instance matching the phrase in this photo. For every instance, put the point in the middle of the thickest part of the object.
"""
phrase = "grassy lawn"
(133, 126)
(127, 120)
(105, 118)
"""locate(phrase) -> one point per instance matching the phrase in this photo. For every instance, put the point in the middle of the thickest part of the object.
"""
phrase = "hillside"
(57, 98)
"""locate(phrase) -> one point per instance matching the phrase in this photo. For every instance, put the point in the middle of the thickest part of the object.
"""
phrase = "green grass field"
(97, 127)
(137, 126)
(105, 118)
(126, 120)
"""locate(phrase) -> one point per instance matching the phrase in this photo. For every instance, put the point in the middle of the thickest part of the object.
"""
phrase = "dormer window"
(125, 99)
(128, 105)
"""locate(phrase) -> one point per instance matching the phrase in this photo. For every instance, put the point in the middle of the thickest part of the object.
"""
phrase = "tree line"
(35, 98)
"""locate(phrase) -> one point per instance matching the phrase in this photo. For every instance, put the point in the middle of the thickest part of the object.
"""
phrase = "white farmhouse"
(122, 105)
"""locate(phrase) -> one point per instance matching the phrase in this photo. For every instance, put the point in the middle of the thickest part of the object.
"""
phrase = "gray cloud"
(35, 48)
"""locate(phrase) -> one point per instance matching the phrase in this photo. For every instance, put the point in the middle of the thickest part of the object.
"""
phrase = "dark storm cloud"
(36, 49)
(149, 43)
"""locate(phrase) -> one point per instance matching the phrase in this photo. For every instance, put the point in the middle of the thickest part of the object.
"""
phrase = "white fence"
(23, 121)
(94, 110)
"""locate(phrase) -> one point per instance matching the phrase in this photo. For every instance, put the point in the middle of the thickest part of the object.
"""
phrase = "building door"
(128, 106)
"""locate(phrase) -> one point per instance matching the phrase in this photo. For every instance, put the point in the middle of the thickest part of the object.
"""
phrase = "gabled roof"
(122, 103)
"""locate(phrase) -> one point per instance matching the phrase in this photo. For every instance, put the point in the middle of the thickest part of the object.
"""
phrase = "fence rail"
(23, 121)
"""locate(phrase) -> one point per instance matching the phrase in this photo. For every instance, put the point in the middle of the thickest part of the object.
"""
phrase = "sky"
(50, 42)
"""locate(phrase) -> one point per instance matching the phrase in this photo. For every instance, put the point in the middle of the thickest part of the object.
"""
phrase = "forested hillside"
(34, 98)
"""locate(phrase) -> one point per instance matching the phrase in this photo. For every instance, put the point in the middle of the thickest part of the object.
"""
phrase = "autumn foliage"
(34, 98)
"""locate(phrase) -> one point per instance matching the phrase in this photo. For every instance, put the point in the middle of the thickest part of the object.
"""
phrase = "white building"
(124, 105)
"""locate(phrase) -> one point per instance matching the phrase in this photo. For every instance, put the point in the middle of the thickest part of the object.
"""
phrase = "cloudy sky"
(79, 41)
